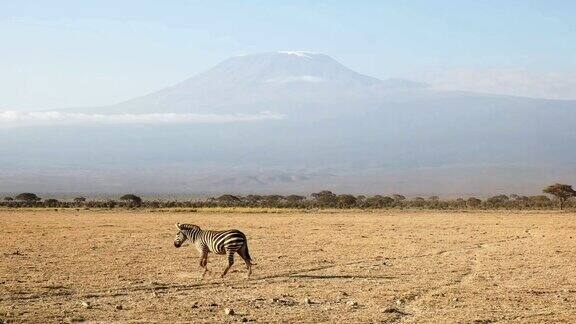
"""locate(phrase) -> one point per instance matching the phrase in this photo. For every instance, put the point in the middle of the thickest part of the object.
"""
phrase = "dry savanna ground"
(311, 267)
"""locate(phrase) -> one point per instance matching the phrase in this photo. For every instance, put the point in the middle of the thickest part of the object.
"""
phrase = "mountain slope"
(291, 83)
(341, 131)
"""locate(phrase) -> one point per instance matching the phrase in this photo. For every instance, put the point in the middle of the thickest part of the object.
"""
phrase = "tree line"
(559, 196)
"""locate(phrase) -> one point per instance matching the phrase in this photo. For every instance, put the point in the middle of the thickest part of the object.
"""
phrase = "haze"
(450, 97)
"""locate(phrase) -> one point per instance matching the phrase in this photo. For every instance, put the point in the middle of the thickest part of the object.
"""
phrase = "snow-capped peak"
(307, 54)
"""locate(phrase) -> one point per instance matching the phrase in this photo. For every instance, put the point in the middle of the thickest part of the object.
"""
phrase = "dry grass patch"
(334, 267)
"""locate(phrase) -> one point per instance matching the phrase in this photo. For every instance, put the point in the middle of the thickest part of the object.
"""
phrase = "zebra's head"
(185, 231)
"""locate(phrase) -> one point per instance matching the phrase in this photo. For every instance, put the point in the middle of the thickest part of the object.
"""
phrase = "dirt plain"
(386, 266)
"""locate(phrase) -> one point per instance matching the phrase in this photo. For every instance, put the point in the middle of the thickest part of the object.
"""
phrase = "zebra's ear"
(178, 226)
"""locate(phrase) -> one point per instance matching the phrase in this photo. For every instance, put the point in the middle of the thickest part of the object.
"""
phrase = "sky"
(67, 53)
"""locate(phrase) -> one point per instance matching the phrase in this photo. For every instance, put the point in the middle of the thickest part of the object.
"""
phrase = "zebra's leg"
(243, 252)
(249, 268)
(204, 263)
(230, 262)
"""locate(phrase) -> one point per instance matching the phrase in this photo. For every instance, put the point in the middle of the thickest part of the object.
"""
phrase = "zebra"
(219, 242)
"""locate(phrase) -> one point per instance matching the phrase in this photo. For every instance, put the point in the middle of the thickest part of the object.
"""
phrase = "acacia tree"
(79, 199)
(418, 202)
(273, 200)
(51, 202)
(28, 197)
(398, 198)
(360, 200)
(346, 201)
(8, 199)
(378, 201)
(460, 202)
(540, 201)
(473, 202)
(562, 192)
(132, 199)
(294, 199)
(497, 201)
(325, 198)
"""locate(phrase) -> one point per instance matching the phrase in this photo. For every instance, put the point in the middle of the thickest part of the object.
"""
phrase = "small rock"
(244, 319)
(154, 294)
(343, 293)
(86, 305)
(399, 302)
(455, 299)
(229, 311)
(194, 305)
(352, 303)
(307, 301)
(119, 307)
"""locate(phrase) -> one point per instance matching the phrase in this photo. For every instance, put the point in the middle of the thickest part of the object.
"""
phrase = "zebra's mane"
(187, 226)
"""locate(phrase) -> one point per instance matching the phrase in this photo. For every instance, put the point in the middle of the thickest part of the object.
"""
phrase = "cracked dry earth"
(389, 266)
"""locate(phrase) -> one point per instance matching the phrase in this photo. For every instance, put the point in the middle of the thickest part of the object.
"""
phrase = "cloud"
(517, 82)
(50, 118)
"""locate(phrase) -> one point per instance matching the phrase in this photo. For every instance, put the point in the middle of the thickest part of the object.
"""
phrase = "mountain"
(340, 130)
(294, 83)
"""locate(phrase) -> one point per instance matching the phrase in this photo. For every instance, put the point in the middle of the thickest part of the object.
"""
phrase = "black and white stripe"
(226, 242)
